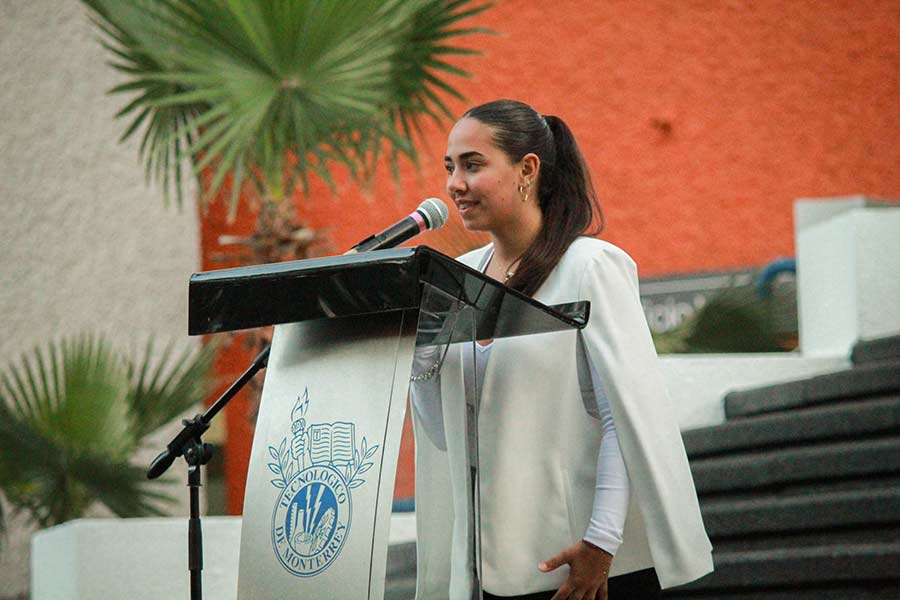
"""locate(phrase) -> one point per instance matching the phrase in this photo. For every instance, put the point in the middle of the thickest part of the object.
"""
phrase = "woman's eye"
(470, 166)
(449, 168)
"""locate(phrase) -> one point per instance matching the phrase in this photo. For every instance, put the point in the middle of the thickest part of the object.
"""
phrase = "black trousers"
(640, 585)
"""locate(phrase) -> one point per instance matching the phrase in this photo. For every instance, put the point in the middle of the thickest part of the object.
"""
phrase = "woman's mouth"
(464, 206)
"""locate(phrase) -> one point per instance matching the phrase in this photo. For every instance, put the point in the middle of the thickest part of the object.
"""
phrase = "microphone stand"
(189, 443)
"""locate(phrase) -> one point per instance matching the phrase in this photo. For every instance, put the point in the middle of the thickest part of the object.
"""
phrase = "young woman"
(584, 486)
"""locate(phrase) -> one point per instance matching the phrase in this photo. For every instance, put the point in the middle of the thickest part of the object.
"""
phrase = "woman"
(584, 486)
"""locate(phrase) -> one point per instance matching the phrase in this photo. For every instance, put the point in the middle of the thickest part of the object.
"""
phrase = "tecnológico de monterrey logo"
(315, 469)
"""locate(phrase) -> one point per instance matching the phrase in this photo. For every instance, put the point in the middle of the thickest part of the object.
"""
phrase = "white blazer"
(539, 438)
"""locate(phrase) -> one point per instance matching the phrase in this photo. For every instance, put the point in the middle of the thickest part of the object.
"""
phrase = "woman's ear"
(530, 165)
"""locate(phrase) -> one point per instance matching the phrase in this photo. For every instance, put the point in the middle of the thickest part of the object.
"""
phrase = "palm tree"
(74, 413)
(272, 91)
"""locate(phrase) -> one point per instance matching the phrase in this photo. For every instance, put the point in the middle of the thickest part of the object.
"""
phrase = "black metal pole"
(189, 443)
(195, 535)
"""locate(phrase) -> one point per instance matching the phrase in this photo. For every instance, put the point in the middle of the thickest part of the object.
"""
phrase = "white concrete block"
(848, 260)
(698, 382)
(145, 559)
(137, 559)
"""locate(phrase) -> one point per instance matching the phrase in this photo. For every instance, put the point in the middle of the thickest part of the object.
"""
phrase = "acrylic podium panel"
(323, 464)
(317, 505)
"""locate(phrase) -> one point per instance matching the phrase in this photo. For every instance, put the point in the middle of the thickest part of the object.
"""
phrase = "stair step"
(845, 419)
(774, 514)
(878, 590)
(886, 348)
(878, 533)
(801, 488)
(770, 398)
(803, 566)
(769, 468)
(866, 380)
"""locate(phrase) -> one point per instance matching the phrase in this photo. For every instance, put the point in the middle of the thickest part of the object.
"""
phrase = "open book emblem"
(315, 468)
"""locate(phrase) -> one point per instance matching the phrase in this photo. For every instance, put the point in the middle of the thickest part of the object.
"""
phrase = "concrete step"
(866, 351)
(856, 564)
(880, 378)
(776, 514)
(850, 418)
(879, 533)
(818, 462)
(789, 489)
(871, 590)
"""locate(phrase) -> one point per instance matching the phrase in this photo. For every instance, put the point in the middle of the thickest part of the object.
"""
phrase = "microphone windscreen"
(435, 212)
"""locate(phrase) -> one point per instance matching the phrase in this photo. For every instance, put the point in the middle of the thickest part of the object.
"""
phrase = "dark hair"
(566, 196)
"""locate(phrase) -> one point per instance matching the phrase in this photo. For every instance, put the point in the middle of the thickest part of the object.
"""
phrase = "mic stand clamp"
(189, 443)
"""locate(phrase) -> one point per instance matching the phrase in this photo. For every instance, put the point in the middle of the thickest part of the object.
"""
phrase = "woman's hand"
(588, 571)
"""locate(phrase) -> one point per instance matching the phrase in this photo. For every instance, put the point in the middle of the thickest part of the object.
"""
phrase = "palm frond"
(125, 36)
(73, 413)
(120, 486)
(237, 85)
(165, 386)
(72, 393)
(35, 473)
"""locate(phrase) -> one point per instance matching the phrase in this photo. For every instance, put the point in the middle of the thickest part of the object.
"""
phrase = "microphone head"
(435, 212)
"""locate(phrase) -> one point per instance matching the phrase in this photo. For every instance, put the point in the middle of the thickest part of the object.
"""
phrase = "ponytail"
(566, 196)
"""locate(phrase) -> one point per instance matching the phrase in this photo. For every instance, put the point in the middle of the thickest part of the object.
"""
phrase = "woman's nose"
(455, 182)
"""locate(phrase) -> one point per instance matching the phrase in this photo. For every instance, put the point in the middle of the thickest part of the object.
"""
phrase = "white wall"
(848, 258)
(85, 245)
(698, 382)
(878, 269)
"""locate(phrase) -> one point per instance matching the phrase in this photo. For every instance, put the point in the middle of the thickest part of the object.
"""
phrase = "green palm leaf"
(163, 388)
(167, 131)
(71, 417)
(239, 85)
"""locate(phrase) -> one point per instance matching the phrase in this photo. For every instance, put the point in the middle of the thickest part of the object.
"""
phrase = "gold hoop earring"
(525, 190)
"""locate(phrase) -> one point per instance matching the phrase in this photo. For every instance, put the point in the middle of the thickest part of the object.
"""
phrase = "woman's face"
(481, 180)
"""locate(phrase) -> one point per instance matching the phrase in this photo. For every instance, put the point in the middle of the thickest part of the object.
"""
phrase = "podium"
(324, 458)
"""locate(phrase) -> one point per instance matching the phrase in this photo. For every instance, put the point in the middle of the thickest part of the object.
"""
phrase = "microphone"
(431, 214)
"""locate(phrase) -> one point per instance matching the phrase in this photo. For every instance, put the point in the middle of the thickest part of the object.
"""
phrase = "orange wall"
(702, 121)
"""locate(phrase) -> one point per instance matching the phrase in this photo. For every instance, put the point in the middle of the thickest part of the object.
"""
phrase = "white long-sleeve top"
(612, 490)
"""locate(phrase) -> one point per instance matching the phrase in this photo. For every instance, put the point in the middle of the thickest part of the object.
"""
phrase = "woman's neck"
(511, 243)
